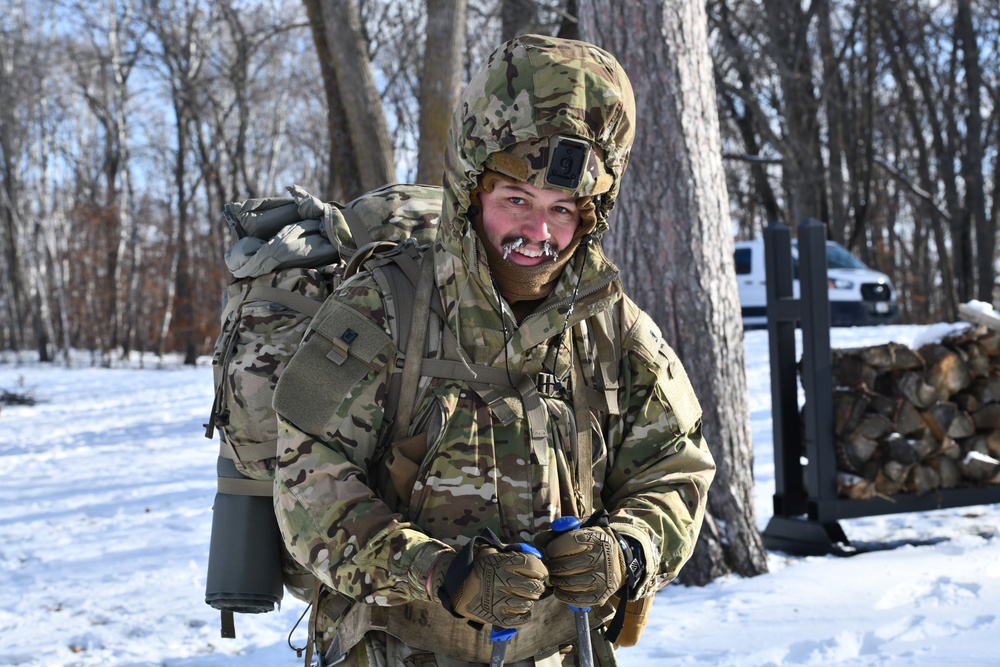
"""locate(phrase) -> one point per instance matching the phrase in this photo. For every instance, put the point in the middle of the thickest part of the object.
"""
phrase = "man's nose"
(536, 227)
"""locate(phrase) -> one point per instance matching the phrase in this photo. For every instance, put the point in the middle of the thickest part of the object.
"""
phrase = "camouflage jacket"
(651, 466)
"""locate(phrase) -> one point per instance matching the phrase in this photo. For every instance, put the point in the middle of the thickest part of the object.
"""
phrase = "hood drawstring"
(507, 335)
(557, 343)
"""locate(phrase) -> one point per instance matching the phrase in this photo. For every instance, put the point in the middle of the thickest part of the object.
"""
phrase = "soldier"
(564, 400)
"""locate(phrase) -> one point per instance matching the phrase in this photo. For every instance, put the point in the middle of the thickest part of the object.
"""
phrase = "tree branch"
(752, 159)
(918, 191)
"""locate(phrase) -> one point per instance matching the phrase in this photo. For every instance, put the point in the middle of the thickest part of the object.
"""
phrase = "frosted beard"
(546, 251)
(523, 283)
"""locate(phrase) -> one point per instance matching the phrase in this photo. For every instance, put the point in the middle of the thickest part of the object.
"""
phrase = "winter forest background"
(125, 125)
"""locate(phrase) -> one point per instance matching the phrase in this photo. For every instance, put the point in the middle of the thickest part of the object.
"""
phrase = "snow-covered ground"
(105, 514)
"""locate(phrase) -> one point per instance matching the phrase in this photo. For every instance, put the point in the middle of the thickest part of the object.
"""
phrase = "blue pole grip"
(564, 524)
(502, 634)
(524, 547)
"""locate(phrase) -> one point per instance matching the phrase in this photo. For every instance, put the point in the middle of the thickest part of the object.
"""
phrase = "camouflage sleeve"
(657, 484)
(330, 407)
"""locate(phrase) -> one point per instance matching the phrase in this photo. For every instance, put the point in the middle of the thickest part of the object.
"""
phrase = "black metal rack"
(807, 506)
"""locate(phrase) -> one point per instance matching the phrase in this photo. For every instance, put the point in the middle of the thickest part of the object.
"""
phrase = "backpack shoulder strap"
(607, 328)
(599, 348)
(583, 443)
(406, 276)
(414, 347)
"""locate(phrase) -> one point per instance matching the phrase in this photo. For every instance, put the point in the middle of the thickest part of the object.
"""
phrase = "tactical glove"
(586, 566)
(490, 583)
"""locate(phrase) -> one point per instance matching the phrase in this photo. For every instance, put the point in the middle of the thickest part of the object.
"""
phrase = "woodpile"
(914, 421)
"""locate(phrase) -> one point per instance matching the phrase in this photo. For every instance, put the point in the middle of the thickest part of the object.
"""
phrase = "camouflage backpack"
(288, 256)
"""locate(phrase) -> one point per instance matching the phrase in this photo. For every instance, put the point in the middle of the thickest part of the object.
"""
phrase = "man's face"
(528, 225)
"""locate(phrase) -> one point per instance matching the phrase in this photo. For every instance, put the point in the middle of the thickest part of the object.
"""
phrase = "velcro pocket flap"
(322, 373)
(351, 334)
(646, 341)
(681, 395)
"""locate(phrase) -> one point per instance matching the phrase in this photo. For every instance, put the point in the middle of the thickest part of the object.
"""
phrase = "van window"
(742, 257)
(838, 257)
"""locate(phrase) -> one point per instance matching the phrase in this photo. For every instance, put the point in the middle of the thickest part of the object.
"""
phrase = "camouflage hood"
(532, 91)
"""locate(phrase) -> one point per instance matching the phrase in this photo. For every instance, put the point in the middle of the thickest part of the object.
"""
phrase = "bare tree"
(341, 177)
(674, 244)
(181, 53)
(44, 287)
(102, 72)
(834, 99)
(128, 255)
(922, 115)
(440, 84)
(68, 156)
(734, 80)
(15, 56)
(788, 23)
(364, 159)
(243, 115)
(966, 39)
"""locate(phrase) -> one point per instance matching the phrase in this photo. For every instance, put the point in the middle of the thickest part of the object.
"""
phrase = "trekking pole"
(584, 647)
(500, 636)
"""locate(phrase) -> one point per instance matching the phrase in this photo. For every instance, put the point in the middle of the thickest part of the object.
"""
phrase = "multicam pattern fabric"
(297, 244)
(258, 338)
(391, 213)
(651, 467)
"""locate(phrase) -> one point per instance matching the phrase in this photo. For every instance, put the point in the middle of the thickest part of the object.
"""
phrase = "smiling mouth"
(545, 251)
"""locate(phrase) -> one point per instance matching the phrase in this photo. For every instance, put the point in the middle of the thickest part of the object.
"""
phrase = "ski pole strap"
(460, 569)
(635, 569)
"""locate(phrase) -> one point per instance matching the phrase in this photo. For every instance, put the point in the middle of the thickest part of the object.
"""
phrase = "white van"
(858, 295)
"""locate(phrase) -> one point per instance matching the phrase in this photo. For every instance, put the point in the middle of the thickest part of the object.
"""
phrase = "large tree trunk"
(341, 177)
(440, 84)
(360, 109)
(671, 236)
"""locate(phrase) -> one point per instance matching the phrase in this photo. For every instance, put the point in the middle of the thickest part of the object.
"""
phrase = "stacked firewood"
(915, 421)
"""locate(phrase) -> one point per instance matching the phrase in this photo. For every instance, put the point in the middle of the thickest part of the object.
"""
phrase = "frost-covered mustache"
(546, 251)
